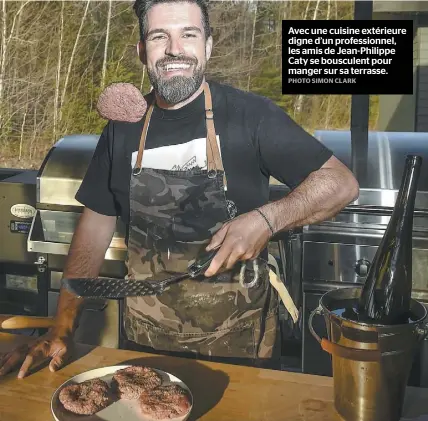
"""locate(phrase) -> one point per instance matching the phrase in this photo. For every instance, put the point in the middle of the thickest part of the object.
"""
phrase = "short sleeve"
(287, 152)
(95, 192)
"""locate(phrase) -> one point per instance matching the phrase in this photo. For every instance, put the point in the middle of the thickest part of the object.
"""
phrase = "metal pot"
(371, 362)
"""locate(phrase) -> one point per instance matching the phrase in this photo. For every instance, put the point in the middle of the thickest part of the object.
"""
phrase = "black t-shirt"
(258, 140)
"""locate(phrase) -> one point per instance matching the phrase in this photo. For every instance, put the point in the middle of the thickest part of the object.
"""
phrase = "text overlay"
(347, 57)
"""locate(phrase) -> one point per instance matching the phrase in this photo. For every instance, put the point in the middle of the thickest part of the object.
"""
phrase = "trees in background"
(56, 57)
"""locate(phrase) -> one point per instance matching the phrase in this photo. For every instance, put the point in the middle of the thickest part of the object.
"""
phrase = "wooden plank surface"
(222, 392)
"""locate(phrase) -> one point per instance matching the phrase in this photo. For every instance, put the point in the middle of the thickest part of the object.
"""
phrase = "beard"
(176, 88)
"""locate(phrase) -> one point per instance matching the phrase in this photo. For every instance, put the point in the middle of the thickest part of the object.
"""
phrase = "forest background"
(57, 56)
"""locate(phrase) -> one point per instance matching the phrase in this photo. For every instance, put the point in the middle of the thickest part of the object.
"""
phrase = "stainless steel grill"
(338, 250)
(58, 211)
(52, 229)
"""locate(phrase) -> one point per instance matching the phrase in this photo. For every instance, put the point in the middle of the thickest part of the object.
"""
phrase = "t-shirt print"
(182, 157)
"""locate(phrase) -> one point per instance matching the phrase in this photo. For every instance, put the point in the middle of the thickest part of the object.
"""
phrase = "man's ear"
(141, 51)
(208, 47)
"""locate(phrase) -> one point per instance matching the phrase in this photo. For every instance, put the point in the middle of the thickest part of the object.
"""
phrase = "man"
(166, 181)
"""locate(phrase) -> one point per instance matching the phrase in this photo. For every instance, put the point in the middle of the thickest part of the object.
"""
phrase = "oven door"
(23, 291)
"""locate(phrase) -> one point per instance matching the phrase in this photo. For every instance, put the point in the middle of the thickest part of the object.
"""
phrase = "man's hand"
(54, 345)
(241, 239)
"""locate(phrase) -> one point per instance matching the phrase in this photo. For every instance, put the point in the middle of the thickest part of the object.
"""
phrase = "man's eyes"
(160, 37)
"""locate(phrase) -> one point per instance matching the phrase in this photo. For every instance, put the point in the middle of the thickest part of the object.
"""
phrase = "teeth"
(176, 66)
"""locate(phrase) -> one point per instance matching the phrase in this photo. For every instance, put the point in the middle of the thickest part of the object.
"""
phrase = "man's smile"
(175, 68)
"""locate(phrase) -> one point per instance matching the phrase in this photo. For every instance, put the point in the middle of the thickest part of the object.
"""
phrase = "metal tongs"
(115, 289)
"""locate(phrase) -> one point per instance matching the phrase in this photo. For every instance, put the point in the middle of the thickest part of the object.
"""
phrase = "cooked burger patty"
(86, 398)
(131, 382)
(165, 402)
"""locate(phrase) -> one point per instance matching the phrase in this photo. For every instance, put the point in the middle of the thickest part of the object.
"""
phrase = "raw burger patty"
(131, 382)
(165, 402)
(85, 398)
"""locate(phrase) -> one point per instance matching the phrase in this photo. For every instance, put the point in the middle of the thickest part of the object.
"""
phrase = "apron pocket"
(239, 341)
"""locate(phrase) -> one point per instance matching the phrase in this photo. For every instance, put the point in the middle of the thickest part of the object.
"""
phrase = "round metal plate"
(121, 409)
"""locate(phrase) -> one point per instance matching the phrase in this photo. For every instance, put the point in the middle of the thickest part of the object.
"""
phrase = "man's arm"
(323, 194)
(321, 186)
(94, 231)
(90, 242)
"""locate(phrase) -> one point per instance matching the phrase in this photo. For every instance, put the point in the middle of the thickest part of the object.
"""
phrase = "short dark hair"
(141, 8)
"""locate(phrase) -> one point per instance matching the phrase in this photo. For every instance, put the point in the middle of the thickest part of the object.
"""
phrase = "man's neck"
(162, 104)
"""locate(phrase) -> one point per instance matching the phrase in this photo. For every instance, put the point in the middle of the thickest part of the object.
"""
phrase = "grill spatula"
(116, 289)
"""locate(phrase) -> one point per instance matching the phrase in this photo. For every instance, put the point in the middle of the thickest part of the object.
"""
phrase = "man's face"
(175, 50)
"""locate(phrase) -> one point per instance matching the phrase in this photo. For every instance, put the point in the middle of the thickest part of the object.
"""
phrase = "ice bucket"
(371, 363)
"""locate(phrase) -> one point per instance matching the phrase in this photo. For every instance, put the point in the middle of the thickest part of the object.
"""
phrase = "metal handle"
(367, 355)
(422, 332)
(254, 281)
(41, 264)
(379, 210)
(362, 267)
(317, 312)
(11, 322)
(40, 260)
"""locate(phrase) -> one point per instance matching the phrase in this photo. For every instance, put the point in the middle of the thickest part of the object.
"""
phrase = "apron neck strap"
(214, 161)
(138, 165)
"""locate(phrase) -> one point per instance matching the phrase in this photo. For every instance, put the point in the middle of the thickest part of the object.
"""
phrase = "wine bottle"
(386, 294)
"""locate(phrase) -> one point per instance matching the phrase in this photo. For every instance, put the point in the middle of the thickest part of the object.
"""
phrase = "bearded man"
(193, 174)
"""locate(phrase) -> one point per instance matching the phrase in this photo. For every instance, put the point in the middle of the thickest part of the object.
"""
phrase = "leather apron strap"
(138, 165)
(214, 161)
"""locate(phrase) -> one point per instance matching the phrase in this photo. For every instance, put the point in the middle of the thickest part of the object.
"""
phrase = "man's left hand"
(243, 238)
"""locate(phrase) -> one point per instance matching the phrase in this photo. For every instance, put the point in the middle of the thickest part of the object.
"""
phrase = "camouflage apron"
(173, 217)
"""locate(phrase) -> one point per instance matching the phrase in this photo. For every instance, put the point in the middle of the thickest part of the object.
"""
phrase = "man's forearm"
(80, 264)
(85, 258)
(321, 196)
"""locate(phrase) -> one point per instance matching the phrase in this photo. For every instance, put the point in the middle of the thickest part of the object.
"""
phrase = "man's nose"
(174, 47)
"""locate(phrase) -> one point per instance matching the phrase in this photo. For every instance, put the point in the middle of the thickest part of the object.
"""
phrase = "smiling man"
(194, 174)
(165, 40)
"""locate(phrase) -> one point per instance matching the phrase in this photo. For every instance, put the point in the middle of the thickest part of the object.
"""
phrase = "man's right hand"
(90, 242)
(55, 346)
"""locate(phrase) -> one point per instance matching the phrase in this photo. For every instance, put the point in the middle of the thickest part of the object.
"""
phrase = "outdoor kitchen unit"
(56, 217)
(334, 254)
(338, 253)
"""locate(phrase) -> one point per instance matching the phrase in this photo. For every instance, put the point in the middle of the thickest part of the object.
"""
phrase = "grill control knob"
(362, 267)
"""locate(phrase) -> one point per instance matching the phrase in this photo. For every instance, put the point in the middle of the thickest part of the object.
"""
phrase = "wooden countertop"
(222, 392)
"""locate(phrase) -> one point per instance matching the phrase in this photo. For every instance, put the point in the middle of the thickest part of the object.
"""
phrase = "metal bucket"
(371, 363)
